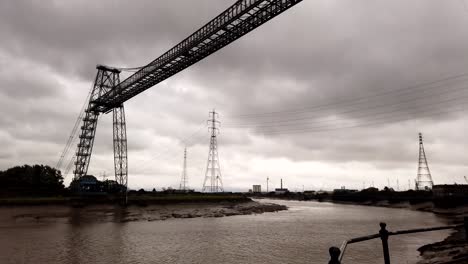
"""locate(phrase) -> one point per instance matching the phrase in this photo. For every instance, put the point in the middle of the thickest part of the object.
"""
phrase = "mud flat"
(453, 249)
(113, 213)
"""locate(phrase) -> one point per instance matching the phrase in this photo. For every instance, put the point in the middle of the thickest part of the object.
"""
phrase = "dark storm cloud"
(73, 37)
(344, 49)
(319, 52)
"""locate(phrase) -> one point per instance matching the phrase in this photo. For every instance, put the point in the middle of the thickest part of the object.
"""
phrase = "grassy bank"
(22, 201)
(187, 198)
(134, 199)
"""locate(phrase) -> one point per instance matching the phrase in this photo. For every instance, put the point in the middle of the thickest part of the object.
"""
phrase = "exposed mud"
(109, 213)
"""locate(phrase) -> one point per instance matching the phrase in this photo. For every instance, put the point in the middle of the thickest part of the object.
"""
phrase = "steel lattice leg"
(120, 151)
(105, 78)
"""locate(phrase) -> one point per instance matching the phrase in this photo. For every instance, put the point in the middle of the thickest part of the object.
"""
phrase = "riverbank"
(452, 250)
(133, 199)
(153, 212)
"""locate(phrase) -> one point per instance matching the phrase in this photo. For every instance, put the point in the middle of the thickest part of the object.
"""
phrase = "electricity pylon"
(213, 182)
(424, 178)
(184, 180)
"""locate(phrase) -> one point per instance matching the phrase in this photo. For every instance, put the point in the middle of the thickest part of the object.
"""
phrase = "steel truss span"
(236, 21)
(109, 94)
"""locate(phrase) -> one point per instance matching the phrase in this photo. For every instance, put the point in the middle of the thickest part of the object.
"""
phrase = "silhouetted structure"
(281, 190)
(424, 178)
(90, 185)
(213, 182)
(109, 94)
(184, 180)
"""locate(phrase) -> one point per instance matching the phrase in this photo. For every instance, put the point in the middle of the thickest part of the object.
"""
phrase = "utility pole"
(184, 180)
(268, 179)
(424, 178)
(213, 182)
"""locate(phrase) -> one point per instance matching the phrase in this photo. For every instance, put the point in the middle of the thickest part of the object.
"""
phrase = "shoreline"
(131, 213)
(451, 250)
(138, 200)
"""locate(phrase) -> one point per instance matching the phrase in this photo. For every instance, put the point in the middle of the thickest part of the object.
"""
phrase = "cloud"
(323, 95)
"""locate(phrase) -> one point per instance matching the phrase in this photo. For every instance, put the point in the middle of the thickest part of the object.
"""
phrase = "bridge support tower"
(106, 80)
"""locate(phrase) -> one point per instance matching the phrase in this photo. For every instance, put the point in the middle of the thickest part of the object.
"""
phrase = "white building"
(257, 188)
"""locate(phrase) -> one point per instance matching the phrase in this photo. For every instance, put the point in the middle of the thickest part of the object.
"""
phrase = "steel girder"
(106, 79)
(120, 148)
(239, 19)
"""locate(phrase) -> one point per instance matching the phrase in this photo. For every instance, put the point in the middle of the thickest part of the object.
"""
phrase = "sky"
(330, 93)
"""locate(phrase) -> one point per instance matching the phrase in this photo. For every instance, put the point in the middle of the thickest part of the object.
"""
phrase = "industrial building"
(256, 188)
(281, 190)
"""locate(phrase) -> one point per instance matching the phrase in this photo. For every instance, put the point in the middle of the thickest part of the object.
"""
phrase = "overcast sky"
(328, 94)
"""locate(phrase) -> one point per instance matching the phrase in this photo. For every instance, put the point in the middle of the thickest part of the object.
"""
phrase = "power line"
(292, 122)
(382, 117)
(384, 120)
(321, 113)
(331, 104)
(73, 134)
(308, 130)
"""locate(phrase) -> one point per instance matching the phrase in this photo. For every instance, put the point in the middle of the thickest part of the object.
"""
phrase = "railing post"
(384, 236)
(465, 222)
(334, 255)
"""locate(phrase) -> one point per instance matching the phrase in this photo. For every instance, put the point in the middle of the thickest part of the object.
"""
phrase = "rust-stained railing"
(336, 254)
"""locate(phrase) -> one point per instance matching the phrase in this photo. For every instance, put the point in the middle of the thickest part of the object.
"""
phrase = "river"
(301, 234)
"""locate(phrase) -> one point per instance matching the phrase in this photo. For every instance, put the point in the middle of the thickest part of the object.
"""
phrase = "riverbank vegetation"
(43, 185)
(31, 181)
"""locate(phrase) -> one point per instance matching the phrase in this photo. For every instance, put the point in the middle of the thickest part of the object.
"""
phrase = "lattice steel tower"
(184, 180)
(106, 80)
(213, 182)
(109, 94)
(424, 178)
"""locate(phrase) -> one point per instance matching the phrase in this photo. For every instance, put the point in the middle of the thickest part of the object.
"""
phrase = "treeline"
(26, 180)
(387, 194)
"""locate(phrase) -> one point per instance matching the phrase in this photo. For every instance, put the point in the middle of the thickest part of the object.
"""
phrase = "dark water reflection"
(299, 235)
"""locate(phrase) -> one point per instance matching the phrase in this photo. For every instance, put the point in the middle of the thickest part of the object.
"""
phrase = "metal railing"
(336, 254)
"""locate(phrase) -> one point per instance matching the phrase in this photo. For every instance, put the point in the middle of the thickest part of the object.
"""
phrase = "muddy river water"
(301, 234)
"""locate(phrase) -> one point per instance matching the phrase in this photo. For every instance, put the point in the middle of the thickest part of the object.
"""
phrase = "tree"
(33, 180)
